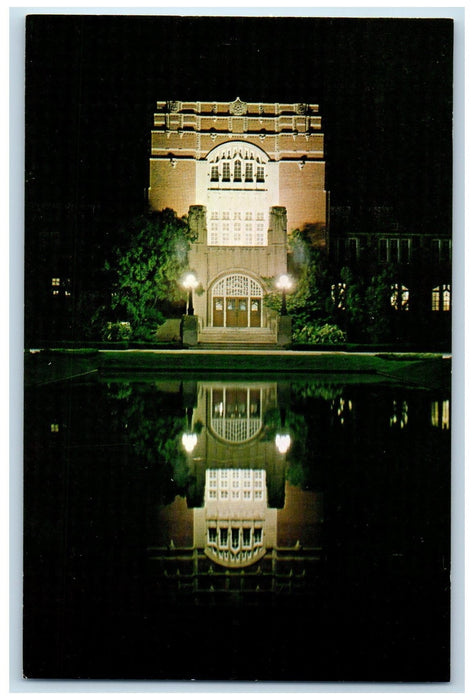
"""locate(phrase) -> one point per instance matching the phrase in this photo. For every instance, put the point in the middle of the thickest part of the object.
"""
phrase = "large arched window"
(236, 187)
(236, 413)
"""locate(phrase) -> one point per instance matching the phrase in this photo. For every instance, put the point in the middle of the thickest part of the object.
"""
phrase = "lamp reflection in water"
(189, 439)
(282, 442)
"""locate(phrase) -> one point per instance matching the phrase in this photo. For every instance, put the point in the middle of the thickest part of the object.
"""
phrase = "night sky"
(384, 88)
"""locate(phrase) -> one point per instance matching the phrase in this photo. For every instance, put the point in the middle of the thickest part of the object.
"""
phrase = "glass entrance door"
(237, 312)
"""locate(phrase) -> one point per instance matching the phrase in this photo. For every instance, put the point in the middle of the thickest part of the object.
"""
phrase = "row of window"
(224, 235)
(399, 297)
(235, 484)
(227, 215)
(236, 171)
(398, 417)
(235, 536)
(396, 250)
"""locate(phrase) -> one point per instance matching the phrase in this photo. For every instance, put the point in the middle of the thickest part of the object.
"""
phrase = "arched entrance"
(236, 302)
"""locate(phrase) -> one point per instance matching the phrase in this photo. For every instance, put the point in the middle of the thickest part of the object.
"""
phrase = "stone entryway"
(236, 302)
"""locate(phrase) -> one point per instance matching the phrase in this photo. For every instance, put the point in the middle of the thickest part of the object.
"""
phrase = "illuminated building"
(246, 174)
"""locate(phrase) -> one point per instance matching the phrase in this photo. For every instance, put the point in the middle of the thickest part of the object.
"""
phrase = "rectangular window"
(260, 216)
(214, 215)
(246, 537)
(248, 172)
(394, 250)
(404, 251)
(445, 253)
(226, 172)
(223, 536)
(257, 535)
(352, 244)
(235, 537)
(226, 215)
(212, 534)
(248, 216)
(214, 173)
(237, 215)
(237, 171)
(260, 174)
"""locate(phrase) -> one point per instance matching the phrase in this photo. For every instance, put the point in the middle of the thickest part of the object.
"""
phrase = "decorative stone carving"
(302, 108)
(238, 108)
(172, 106)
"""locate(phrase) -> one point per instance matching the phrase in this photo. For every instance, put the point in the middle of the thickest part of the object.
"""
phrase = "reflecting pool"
(218, 529)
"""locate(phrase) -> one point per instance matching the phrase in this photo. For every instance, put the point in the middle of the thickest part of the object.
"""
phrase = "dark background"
(384, 87)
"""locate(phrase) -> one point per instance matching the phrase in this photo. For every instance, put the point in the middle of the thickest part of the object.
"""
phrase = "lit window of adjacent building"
(55, 282)
(441, 298)
(55, 427)
(338, 295)
(440, 414)
(400, 297)
(399, 416)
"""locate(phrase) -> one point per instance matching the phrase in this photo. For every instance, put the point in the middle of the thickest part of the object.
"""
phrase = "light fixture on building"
(189, 283)
(284, 283)
(282, 442)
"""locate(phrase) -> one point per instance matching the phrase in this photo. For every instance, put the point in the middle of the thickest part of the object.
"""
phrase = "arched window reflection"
(236, 413)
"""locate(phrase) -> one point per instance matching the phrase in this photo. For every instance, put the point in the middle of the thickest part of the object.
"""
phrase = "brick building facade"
(246, 174)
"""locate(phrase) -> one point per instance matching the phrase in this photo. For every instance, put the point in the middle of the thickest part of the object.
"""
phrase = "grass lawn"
(425, 370)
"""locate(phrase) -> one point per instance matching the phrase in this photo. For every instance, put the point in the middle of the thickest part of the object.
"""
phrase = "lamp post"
(189, 283)
(284, 283)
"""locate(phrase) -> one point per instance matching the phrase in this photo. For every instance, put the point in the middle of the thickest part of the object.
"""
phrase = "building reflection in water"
(244, 530)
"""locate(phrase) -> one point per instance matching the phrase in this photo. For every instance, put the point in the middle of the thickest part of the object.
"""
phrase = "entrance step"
(248, 337)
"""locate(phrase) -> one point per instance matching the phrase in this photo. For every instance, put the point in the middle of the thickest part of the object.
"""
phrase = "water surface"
(293, 529)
